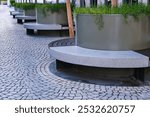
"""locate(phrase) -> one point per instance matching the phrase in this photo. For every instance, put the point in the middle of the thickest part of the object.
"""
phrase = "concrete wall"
(110, 32)
(30, 12)
(51, 18)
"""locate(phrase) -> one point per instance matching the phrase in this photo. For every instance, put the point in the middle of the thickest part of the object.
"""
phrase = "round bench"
(16, 13)
(100, 58)
(30, 27)
(20, 18)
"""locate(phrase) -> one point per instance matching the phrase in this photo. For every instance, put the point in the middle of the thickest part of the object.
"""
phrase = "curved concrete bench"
(16, 13)
(11, 11)
(20, 18)
(30, 27)
(99, 58)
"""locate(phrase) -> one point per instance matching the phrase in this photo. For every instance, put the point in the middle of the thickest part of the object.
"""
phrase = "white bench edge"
(99, 58)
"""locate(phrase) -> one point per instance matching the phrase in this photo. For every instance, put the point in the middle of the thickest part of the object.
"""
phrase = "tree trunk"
(70, 19)
(114, 3)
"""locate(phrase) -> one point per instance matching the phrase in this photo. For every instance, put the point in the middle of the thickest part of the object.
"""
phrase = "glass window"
(82, 3)
(107, 2)
(93, 3)
(130, 1)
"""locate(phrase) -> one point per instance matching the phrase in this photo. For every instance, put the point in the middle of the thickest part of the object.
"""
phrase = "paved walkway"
(24, 72)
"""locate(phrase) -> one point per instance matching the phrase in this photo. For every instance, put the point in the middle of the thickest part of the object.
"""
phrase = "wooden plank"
(70, 19)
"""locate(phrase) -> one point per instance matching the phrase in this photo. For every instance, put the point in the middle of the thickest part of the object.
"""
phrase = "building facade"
(89, 3)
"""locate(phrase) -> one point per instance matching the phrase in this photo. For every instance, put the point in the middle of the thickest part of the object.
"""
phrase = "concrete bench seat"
(11, 11)
(20, 18)
(99, 58)
(37, 26)
(16, 13)
(30, 27)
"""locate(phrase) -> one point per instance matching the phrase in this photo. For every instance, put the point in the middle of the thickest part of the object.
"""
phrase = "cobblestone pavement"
(24, 70)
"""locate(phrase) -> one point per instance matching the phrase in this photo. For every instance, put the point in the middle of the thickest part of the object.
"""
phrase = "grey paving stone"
(24, 61)
(77, 98)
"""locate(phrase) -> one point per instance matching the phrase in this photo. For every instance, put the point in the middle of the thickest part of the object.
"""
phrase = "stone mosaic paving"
(24, 70)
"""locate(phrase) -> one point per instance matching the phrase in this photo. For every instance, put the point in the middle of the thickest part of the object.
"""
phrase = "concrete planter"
(30, 12)
(117, 32)
(48, 17)
(17, 9)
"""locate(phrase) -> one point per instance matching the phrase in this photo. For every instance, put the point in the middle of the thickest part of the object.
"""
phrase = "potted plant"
(29, 8)
(51, 14)
(12, 2)
(125, 27)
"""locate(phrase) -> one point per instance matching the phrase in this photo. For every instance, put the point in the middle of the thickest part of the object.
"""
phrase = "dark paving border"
(62, 42)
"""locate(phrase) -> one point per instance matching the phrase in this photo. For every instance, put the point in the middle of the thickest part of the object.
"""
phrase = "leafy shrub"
(12, 2)
(25, 6)
(134, 10)
(51, 7)
(44, 8)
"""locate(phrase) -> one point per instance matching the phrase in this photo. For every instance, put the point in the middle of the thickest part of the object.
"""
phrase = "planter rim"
(108, 14)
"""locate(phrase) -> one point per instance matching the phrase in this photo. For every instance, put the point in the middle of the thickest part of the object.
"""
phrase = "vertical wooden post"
(114, 3)
(70, 19)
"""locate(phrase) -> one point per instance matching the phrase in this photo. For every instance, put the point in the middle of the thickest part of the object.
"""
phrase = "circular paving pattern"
(62, 42)
(92, 91)
(25, 74)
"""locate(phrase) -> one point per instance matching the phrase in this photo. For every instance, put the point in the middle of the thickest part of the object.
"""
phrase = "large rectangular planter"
(18, 9)
(48, 17)
(113, 32)
(30, 12)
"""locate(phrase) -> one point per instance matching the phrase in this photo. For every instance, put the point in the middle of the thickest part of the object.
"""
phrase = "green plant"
(99, 21)
(135, 10)
(12, 2)
(25, 6)
(125, 10)
(52, 7)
